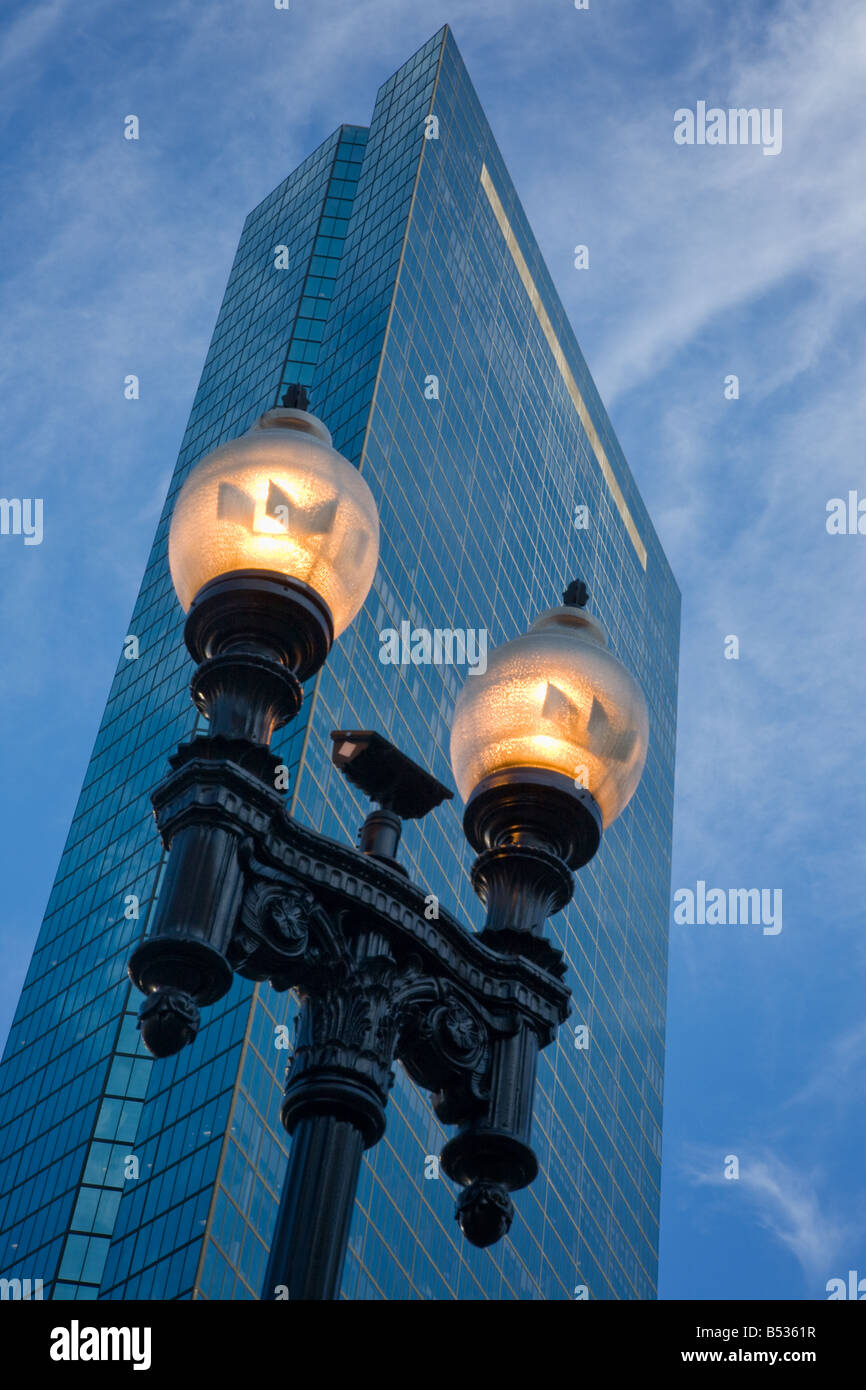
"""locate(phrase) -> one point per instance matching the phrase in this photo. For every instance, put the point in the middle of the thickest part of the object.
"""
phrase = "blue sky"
(704, 261)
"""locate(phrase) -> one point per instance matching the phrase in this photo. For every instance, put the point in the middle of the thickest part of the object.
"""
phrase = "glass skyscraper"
(395, 275)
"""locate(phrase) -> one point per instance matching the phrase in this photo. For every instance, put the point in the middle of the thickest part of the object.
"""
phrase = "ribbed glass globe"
(279, 498)
(554, 699)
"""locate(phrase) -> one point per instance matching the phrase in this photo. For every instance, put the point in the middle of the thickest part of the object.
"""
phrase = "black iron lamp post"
(273, 548)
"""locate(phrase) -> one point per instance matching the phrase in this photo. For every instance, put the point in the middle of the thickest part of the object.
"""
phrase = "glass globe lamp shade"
(555, 700)
(278, 499)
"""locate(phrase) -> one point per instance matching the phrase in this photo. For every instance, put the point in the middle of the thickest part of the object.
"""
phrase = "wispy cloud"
(838, 1079)
(696, 233)
(26, 34)
(785, 1203)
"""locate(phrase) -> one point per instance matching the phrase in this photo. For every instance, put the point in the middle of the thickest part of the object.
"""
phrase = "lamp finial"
(576, 594)
(295, 397)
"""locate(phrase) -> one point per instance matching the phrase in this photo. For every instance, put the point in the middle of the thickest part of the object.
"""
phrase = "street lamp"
(273, 548)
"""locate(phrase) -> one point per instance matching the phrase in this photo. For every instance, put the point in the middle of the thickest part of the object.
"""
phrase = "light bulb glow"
(557, 700)
(278, 499)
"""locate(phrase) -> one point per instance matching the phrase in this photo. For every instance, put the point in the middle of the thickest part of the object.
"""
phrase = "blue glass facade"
(394, 274)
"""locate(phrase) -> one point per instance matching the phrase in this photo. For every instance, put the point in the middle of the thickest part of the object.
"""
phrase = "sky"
(705, 262)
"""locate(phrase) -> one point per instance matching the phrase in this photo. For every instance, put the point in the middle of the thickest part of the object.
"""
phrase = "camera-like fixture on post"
(400, 788)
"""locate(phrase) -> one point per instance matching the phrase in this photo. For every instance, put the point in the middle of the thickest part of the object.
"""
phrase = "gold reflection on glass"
(278, 498)
(554, 699)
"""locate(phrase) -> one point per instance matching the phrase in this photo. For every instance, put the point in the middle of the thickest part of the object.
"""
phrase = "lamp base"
(263, 612)
(257, 635)
(534, 808)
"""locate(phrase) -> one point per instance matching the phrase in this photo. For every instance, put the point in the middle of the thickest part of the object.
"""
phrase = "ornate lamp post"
(273, 548)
